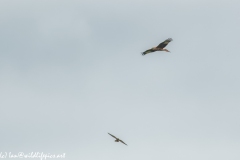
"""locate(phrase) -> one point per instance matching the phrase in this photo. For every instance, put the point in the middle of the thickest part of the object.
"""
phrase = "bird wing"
(148, 51)
(122, 142)
(165, 43)
(112, 136)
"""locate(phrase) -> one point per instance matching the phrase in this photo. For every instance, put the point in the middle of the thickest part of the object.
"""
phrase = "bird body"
(117, 139)
(160, 47)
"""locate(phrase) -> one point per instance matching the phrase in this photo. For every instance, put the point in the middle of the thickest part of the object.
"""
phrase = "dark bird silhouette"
(160, 47)
(117, 139)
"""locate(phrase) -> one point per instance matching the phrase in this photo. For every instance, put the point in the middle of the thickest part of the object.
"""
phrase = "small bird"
(117, 139)
(160, 47)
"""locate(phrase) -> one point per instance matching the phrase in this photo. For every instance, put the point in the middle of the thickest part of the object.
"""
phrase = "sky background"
(72, 71)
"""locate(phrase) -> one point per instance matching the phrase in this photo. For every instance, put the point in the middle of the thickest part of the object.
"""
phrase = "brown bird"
(117, 139)
(160, 47)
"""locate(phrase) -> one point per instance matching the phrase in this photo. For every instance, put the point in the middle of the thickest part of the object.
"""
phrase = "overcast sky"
(71, 71)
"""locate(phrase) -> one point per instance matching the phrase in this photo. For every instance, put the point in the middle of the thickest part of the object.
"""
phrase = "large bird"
(117, 139)
(160, 47)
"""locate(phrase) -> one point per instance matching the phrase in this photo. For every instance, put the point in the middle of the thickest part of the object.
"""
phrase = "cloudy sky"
(71, 71)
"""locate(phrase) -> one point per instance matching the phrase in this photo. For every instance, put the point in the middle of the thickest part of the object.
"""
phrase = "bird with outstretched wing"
(117, 139)
(160, 47)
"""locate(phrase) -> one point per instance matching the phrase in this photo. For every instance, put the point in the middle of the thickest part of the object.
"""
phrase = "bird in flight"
(160, 47)
(117, 139)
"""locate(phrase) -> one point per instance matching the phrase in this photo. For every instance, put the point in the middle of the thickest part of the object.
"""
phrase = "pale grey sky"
(72, 71)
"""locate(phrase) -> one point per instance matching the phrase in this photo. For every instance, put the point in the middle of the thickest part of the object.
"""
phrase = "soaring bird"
(160, 47)
(117, 139)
